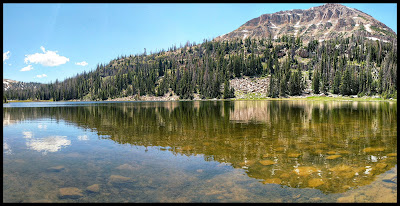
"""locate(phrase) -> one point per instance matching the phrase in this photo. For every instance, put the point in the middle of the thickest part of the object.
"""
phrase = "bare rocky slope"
(318, 23)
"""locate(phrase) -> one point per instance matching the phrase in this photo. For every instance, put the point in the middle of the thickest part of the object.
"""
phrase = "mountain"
(319, 23)
(336, 50)
(9, 84)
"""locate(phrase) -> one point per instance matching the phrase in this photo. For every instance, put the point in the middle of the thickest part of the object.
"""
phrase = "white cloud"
(6, 55)
(84, 63)
(27, 68)
(41, 75)
(47, 58)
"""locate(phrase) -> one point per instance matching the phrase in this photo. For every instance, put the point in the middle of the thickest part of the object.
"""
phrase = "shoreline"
(251, 97)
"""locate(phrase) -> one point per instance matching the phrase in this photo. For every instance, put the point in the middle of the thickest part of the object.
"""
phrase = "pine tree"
(272, 88)
(315, 82)
(345, 83)
(336, 83)
(228, 92)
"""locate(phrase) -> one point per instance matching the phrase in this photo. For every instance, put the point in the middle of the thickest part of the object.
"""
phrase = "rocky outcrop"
(250, 85)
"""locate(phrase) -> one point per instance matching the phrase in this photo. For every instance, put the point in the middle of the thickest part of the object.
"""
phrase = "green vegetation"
(317, 98)
(363, 17)
(343, 98)
(346, 66)
(362, 28)
(30, 100)
(382, 30)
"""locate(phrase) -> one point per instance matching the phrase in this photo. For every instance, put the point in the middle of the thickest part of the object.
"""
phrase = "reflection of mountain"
(329, 146)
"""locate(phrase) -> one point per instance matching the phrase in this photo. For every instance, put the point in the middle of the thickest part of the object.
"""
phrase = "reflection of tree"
(326, 145)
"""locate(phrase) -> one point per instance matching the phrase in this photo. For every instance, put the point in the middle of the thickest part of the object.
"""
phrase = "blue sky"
(45, 42)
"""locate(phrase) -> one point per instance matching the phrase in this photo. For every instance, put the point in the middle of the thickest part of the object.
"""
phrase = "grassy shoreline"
(292, 98)
(326, 98)
(28, 100)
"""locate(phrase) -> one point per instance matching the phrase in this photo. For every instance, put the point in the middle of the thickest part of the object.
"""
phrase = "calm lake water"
(200, 151)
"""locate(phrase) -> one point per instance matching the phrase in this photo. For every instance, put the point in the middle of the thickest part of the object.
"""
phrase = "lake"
(200, 151)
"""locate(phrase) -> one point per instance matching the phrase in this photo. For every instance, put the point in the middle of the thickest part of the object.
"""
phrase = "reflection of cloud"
(48, 144)
(42, 126)
(27, 135)
(373, 158)
(83, 137)
(7, 148)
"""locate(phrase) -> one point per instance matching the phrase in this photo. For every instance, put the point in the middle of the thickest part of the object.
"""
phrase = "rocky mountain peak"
(323, 22)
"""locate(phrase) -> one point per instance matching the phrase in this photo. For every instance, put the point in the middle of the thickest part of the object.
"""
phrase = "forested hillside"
(348, 66)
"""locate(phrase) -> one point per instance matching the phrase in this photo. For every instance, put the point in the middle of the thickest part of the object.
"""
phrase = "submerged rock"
(267, 155)
(347, 199)
(381, 165)
(332, 157)
(341, 168)
(19, 161)
(346, 175)
(126, 167)
(285, 175)
(272, 181)
(305, 170)
(344, 171)
(346, 187)
(93, 188)
(294, 155)
(187, 148)
(56, 168)
(119, 180)
(267, 162)
(70, 192)
(296, 196)
(371, 149)
(315, 199)
(41, 201)
(247, 163)
(315, 182)
(344, 152)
